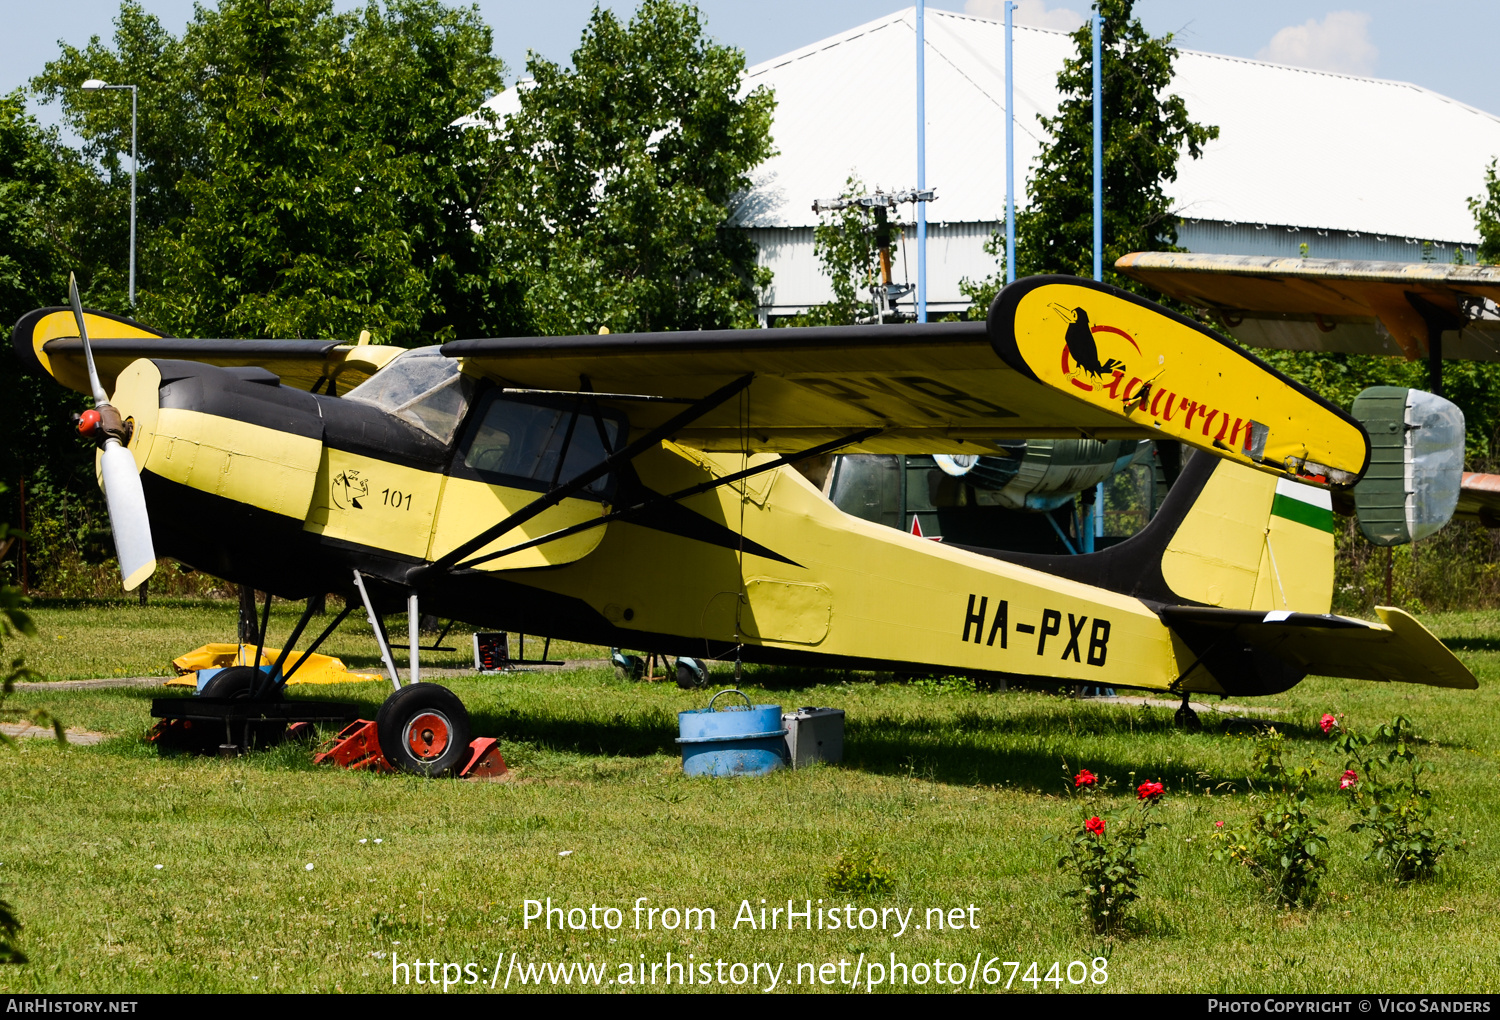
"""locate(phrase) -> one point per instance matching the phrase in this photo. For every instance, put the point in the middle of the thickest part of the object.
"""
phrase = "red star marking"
(916, 529)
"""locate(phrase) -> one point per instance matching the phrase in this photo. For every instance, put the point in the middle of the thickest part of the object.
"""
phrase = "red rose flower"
(1095, 825)
(1085, 778)
(1348, 780)
(1148, 790)
(1218, 825)
(1328, 722)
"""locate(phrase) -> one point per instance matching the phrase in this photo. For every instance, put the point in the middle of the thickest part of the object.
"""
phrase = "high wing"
(1349, 307)
(1058, 357)
(47, 340)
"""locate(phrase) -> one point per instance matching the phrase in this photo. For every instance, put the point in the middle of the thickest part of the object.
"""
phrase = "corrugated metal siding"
(1274, 239)
(954, 251)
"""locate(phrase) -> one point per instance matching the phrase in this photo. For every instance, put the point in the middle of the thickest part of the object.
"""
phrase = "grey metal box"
(814, 734)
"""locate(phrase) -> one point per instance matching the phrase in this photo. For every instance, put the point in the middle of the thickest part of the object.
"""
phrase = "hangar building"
(1352, 167)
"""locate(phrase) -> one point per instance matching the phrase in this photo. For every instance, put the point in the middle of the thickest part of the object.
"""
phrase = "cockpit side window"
(518, 441)
(423, 388)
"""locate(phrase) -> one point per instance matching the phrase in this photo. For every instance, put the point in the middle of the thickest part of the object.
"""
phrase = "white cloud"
(1340, 42)
(1028, 12)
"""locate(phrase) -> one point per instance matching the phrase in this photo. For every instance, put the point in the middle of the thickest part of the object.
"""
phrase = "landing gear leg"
(1186, 718)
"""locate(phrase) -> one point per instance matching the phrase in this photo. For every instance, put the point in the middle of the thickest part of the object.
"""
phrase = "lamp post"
(95, 85)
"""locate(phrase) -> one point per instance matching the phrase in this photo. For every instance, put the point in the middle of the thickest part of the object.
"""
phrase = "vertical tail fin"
(1227, 535)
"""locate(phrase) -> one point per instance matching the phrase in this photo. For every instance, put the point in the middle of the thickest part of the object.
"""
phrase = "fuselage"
(290, 492)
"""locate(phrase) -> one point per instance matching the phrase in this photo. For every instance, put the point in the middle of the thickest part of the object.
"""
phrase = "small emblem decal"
(348, 488)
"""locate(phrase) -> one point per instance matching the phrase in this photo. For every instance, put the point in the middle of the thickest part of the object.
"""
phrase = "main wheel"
(423, 729)
(691, 673)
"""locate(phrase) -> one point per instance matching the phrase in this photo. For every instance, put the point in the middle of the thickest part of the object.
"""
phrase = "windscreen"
(422, 388)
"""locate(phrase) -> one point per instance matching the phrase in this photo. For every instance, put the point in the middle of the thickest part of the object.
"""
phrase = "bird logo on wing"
(1081, 345)
(1080, 353)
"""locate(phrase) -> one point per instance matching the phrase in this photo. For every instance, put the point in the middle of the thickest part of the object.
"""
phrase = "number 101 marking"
(397, 498)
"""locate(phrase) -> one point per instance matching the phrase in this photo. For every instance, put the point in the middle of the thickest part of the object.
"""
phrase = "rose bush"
(1394, 806)
(1105, 868)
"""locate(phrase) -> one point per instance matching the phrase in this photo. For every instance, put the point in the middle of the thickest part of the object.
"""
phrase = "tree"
(621, 177)
(1486, 211)
(844, 243)
(301, 171)
(44, 455)
(1146, 129)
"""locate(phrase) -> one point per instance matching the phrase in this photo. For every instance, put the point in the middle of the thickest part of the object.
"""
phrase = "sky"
(1443, 46)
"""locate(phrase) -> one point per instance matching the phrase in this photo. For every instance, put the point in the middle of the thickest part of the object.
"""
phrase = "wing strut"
(559, 493)
(681, 494)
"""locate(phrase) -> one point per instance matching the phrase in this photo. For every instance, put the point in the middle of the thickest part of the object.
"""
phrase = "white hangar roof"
(1299, 147)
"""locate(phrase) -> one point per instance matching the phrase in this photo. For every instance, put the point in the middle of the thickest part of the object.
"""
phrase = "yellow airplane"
(642, 491)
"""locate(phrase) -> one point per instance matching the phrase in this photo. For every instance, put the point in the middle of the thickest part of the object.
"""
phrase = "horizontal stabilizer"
(1398, 648)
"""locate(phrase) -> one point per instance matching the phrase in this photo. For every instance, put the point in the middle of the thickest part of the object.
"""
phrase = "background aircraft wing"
(1334, 305)
(1398, 648)
(1058, 357)
(1479, 499)
(47, 340)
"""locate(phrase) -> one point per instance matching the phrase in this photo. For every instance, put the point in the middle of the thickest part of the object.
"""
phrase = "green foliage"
(848, 254)
(1283, 845)
(36, 175)
(621, 175)
(1486, 211)
(860, 872)
(1145, 130)
(32, 170)
(300, 172)
(1394, 806)
(1102, 848)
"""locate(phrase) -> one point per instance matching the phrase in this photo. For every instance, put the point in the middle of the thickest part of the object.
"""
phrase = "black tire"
(237, 682)
(424, 729)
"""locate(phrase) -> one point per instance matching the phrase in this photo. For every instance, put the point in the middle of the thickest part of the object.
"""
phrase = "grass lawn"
(119, 637)
(958, 791)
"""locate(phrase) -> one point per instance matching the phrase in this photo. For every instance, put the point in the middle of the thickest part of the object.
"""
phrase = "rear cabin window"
(520, 441)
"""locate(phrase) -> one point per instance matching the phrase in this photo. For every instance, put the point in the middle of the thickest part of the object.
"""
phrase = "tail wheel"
(238, 682)
(424, 730)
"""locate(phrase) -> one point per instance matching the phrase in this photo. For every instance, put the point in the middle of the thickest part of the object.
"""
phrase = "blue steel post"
(921, 165)
(1098, 152)
(1010, 145)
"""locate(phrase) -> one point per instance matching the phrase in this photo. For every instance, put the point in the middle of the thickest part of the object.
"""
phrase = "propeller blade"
(127, 514)
(83, 334)
(123, 493)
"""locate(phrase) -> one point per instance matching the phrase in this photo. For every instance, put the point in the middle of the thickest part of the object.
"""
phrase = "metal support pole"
(1098, 152)
(921, 164)
(133, 166)
(413, 638)
(378, 626)
(1010, 145)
